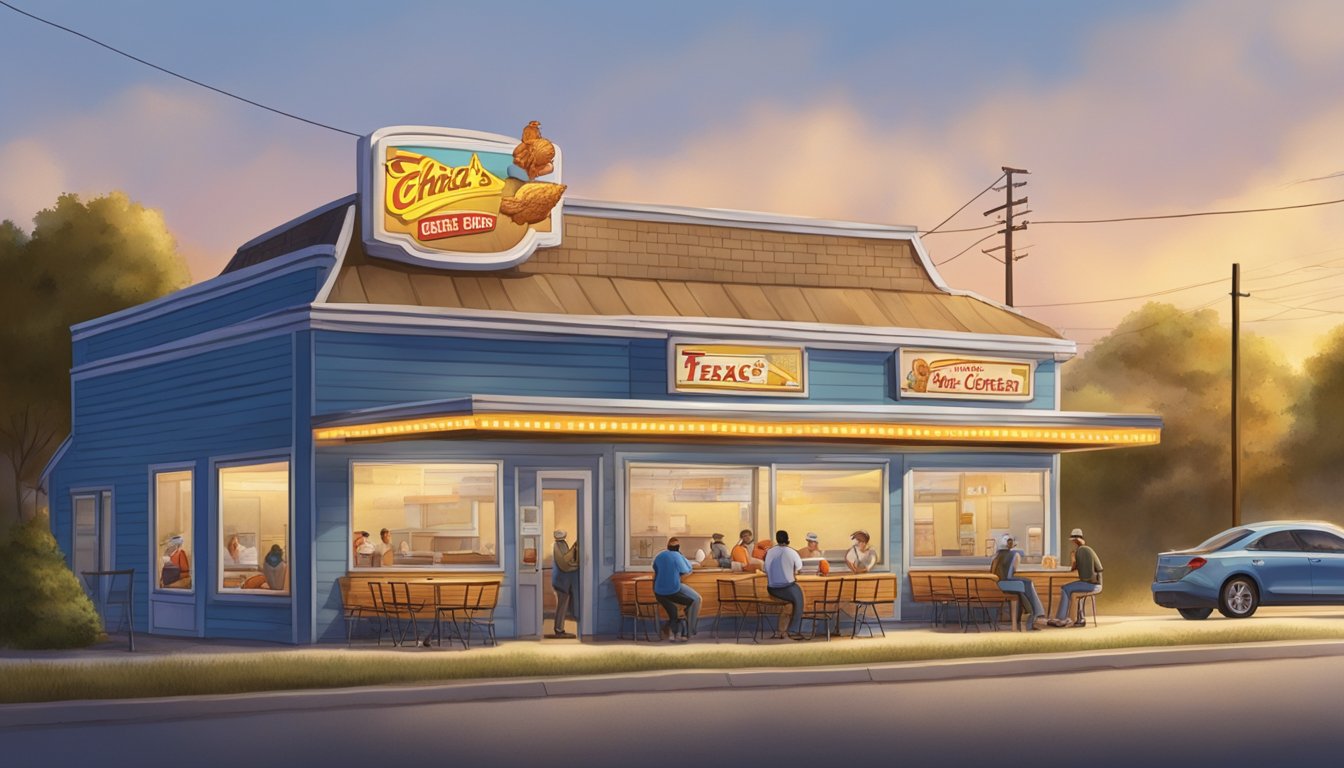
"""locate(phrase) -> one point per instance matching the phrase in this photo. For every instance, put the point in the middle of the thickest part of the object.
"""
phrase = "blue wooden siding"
(247, 302)
(229, 401)
(362, 370)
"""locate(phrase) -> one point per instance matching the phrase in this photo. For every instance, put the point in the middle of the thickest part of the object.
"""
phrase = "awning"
(493, 415)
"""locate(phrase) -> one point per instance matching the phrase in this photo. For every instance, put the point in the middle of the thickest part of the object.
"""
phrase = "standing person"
(1088, 566)
(742, 555)
(668, 569)
(565, 581)
(860, 558)
(812, 548)
(1004, 566)
(782, 565)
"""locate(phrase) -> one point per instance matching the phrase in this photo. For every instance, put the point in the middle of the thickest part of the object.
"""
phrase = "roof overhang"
(565, 417)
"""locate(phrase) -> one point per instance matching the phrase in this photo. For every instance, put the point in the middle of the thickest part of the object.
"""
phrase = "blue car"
(1241, 569)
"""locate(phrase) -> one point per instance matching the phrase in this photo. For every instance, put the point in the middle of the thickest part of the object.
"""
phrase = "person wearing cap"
(1004, 566)
(718, 551)
(565, 581)
(812, 548)
(1088, 566)
(742, 555)
(669, 567)
(860, 558)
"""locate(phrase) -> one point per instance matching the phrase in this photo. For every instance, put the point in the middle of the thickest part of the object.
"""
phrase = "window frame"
(768, 525)
(216, 525)
(154, 471)
(1049, 521)
(499, 564)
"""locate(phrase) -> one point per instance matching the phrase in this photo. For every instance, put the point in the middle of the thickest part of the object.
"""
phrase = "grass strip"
(61, 680)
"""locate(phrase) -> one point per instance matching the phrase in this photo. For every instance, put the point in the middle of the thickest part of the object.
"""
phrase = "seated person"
(718, 552)
(812, 549)
(860, 558)
(1004, 566)
(176, 565)
(383, 549)
(237, 554)
(740, 556)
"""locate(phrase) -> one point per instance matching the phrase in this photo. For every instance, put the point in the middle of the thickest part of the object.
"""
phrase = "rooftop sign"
(459, 199)
(951, 376)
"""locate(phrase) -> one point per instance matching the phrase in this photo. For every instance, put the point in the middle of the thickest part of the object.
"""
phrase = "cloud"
(220, 176)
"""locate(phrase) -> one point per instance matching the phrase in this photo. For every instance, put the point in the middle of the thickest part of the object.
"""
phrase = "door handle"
(1313, 559)
(1257, 562)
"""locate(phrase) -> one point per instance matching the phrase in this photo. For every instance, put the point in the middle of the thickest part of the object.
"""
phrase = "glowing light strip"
(588, 424)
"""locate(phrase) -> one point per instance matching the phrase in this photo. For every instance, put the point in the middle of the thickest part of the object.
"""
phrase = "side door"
(1325, 553)
(1282, 567)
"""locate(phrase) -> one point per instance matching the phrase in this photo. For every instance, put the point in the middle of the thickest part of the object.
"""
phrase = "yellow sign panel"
(738, 369)
(942, 375)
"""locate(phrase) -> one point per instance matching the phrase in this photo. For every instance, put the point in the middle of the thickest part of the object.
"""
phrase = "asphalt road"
(1255, 713)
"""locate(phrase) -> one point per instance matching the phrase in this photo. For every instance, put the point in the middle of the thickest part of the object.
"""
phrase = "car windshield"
(1222, 540)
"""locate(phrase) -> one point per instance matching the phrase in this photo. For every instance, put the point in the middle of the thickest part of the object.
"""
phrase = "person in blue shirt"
(668, 568)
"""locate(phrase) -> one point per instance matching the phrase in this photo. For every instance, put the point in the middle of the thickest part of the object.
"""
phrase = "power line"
(968, 229)
(175, 74)
(1123, 298)
(1191, 215)
(963, 207)
(964, 250)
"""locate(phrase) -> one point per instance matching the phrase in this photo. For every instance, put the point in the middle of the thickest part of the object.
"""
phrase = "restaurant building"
(460, 355)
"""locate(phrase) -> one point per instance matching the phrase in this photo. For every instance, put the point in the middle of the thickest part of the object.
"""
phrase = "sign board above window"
(737, 369)
(456, 199)
(957, 376)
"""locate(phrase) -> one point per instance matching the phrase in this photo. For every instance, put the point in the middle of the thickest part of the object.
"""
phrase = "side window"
(1320, 541)
(1279, 541)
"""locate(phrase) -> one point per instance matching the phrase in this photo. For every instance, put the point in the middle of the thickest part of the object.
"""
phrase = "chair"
(864, 597)
(118, 590)
(442, 607)
(481, 598)
(767, 605)
(381, 612)
(352, 614)
(968, 599)
(738, 606)
(1014, 598)
(827, 609)
(646, 607)
(1086, 598)
(402, 610)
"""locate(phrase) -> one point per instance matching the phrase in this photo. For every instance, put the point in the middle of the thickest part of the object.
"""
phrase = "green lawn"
(338, 668)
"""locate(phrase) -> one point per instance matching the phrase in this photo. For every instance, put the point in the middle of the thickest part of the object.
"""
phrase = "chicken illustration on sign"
(460, 199)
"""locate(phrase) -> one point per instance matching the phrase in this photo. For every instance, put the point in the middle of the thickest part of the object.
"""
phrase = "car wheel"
(1238, 598)
(1195, 614)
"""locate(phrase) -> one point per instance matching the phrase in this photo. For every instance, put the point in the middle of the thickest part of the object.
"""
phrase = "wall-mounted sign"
(459, 199)
(944, 375)
(737, 369)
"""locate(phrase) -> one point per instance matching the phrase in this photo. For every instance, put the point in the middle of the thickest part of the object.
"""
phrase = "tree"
(1137, 502)
(44, 604)
(1317, 441)
(82, 261)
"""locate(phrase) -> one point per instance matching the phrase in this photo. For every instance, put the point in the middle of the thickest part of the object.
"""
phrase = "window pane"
(1279, 541)
(1320, 541)
(86, 534)
(172, 529)
(962, 514)
(832, 503)
(691, 502)
(254, 520)
(425, 515)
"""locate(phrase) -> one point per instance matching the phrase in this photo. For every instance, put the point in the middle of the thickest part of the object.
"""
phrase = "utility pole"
(1237, 296)
(1009, 228)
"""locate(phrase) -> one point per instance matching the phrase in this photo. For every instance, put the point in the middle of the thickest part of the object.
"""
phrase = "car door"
(1283, 568)
(1325, 553)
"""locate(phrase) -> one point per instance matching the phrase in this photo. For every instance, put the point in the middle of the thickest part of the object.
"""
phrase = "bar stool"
(1086, 598)
(865, 607)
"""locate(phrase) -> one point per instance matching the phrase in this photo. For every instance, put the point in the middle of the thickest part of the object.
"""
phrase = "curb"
(114, 711)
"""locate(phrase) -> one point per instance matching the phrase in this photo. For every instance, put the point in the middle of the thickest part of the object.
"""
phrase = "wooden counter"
(705, 581)
(1049, 582)
(425, 586)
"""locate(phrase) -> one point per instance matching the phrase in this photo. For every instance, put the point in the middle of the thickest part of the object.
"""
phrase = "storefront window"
(254, 523)
(962, 514)
(424, 515)
(172, 530)
(832, 503)
(692, 503)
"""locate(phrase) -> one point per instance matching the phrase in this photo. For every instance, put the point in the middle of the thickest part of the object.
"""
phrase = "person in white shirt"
(782, 565)
(860, 558)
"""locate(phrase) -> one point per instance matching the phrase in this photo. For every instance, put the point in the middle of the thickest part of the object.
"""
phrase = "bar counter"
(705, 581)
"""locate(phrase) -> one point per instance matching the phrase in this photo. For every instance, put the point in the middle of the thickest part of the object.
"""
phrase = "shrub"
(42, 604)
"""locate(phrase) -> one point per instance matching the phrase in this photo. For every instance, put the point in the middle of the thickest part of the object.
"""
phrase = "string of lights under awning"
(580, 424)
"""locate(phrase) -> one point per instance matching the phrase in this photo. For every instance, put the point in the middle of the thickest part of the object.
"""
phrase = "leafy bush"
(41, 602)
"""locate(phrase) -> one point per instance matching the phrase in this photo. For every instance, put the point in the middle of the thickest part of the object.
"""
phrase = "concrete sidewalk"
(1035, 665)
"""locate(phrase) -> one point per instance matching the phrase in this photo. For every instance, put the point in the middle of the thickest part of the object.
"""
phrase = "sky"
(885, 112)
